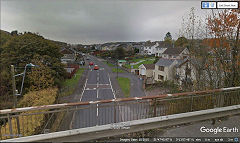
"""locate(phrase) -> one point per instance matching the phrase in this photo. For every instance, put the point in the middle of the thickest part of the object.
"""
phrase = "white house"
(162, 46)
(146, 70)
(180, 70)
(159, 51)
(150, 48)
(164, 69)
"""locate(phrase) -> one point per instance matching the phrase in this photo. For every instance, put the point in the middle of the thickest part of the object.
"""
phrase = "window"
(160, 77)
(161, 68)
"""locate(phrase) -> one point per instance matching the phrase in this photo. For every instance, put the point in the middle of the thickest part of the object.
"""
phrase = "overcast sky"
(92, 21)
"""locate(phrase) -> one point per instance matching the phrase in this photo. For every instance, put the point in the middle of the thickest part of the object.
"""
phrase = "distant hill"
(60, 44)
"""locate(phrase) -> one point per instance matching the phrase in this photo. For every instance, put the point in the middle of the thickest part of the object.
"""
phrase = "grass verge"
(109, 64)
(119, 70)
(148, 61)
(70, 84)
(74, 80)
(124, 83)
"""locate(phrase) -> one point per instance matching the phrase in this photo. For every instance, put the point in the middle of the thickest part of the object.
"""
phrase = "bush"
(30, 124)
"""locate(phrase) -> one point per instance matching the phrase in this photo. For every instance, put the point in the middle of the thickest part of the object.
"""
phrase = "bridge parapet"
(29, 121)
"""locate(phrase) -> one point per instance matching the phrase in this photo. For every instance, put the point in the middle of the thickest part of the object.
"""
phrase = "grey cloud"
(87, 22)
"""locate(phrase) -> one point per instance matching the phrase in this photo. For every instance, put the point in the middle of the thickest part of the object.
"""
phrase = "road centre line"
(97, 90)
(97, 110)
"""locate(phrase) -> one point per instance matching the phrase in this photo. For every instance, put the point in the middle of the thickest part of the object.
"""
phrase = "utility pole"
(117, 68)
(15, 96)
(14, 85)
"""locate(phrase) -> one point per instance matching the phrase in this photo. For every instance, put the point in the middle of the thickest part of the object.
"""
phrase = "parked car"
(96, 67)
(91, 63)
(88, 58)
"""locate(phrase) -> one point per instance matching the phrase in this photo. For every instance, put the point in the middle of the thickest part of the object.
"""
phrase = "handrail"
(56, 106)
(97, 132)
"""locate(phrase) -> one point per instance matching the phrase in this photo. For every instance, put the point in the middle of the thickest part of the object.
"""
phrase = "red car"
(91, 63)
(96, 67)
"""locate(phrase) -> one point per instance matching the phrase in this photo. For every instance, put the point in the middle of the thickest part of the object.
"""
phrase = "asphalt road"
(98, 86)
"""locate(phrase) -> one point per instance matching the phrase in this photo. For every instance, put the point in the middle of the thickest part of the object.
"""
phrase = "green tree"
(40, 77)
(168, 38)
(119, 53)
(181, 42)
(21, 49)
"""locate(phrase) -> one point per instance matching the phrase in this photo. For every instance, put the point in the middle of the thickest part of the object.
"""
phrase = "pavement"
(231, 125)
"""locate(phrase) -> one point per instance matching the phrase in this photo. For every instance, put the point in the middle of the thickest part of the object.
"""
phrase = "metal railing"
(43, 119)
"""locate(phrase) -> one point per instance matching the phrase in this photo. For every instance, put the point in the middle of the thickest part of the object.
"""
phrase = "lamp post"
(15, 92)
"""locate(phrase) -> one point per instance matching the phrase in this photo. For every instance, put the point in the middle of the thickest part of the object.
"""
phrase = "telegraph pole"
(117, 68)
(15, 96)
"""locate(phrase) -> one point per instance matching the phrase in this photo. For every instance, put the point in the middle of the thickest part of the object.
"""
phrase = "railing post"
(115, 116)
(10, 126)
(191, 109)
(155, 107)
(18, 125)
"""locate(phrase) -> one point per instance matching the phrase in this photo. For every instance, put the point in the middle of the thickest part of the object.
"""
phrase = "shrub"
(30, 124)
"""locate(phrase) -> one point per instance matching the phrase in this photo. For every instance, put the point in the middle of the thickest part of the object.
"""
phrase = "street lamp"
(13, 80)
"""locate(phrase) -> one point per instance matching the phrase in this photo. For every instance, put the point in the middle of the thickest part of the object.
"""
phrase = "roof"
(164, 62)
(173, 51)
(66, 51)
(181, 62)
(149, 43)
(68, 56)
(162, 44)
(149, 66)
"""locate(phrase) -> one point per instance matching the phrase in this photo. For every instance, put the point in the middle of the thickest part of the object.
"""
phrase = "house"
(185, 72)
(68, 56)
(162, 46)
(179, 70)
(150, 48)
(164, 69)
(175, 53)
(146, 70)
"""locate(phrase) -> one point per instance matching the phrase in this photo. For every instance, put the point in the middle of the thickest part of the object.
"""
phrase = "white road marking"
(97, 78)
(120, 112)
(83, 89)
(111, 86)
(71, 124)
(92, 84)
(97, 110)
(97, 91)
